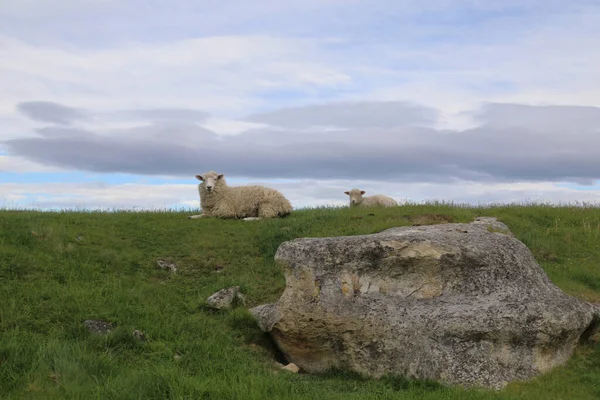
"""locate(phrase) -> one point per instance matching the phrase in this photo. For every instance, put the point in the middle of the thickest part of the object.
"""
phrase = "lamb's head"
(211, 181)
(356, 196)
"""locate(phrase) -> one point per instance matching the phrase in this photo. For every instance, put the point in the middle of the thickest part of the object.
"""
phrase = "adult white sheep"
(357, 199)
(217, 199)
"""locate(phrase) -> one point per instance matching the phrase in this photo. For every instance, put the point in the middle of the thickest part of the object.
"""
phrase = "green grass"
(59, 269)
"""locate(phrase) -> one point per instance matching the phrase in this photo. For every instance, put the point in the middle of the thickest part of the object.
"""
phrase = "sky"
(112, 104)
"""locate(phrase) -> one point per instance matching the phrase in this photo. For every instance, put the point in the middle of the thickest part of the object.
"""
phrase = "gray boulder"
(463, 304)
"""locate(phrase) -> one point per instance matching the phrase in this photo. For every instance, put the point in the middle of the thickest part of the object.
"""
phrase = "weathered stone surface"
(492, 225)
(464, 304)
(266, 316)
(225, 298)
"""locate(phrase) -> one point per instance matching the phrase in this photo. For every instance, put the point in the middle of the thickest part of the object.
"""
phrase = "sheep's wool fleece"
(242, 201)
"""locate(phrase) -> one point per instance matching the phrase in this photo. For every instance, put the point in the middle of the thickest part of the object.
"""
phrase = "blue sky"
(471, 101)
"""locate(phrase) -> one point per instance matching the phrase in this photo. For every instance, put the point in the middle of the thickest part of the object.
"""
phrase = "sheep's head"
(210, 180)
(356, 196)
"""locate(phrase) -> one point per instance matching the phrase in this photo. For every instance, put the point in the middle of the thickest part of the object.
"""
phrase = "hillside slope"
(60, 269)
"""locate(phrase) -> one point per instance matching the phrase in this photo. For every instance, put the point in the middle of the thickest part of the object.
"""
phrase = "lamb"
(357, 199)
(217, 199)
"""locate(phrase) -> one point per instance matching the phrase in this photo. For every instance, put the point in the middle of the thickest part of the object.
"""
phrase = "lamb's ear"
(362, 192)
(348, 193)
(219, 176)
(200, 177)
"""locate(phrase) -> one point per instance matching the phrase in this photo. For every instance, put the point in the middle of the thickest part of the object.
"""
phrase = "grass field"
(59, 269)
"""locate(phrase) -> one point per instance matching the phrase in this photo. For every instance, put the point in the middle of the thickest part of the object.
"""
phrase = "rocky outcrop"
(464, 304)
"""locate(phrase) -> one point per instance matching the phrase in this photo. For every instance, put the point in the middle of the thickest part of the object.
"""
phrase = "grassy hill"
(60, 269)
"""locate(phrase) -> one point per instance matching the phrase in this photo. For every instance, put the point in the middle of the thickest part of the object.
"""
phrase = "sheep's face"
(356, 196)
(210, 180)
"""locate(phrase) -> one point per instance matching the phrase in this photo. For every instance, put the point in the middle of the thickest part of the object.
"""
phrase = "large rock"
(463, 304)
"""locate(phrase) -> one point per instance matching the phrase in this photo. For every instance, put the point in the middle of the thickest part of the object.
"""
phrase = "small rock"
(163, 264)
(218, 268)
(98, 326)
(79, 238)
(292, 368)
(225, 298)
(139, 335)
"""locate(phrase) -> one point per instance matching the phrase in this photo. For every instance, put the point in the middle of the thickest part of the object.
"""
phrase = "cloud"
(47, 111)
(569, 118)
(221, 75)
(21, 165)
(96, 195)
(250, 58)
(166, 114)
(43, 111)
(524, 150)
(166, 89)
(349, 115)
(302, 193)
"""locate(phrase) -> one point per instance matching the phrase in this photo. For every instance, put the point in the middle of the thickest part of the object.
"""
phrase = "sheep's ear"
(362, 192)
(200, 177)
(348, 193)
(220, 176)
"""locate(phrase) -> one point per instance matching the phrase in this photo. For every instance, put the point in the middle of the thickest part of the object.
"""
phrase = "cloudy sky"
(118, 104)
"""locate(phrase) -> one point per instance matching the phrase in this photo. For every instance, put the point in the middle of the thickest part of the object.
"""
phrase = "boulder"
(463, 304)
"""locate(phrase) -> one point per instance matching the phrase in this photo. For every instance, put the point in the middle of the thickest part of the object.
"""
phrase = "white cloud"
(231, 8)
(305, 193)
(214, 74)
(48, 7)
(224, 126)
(94, 195)
(515, 143)
(232, 75)
(236, 58)
(22, 165)
(193, 69)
